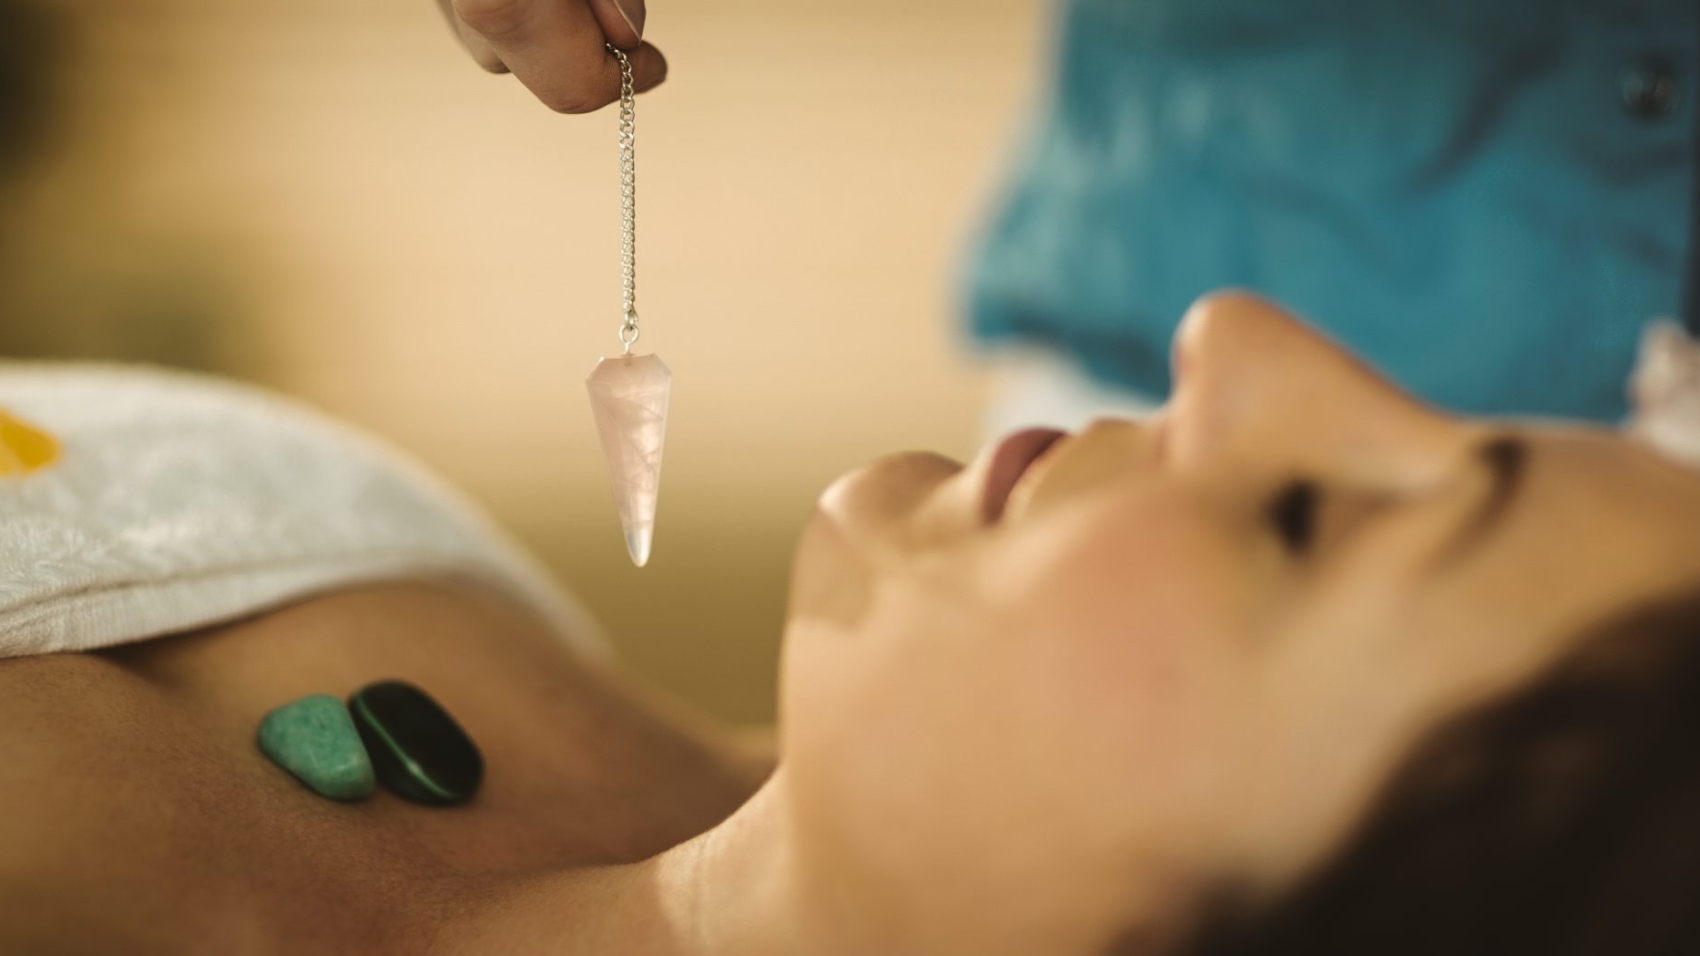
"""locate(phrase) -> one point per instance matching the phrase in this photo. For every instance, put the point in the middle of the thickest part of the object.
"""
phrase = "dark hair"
(1563, 818)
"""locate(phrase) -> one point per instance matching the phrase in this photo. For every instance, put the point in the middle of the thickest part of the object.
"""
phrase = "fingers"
(621, 20)
(482, 52)
(555, 47)
(649, 68)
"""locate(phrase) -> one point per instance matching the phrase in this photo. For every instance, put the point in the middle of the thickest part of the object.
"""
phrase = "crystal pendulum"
(628, 393)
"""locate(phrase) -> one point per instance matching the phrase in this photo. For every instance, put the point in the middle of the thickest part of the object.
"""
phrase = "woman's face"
(1185, 648)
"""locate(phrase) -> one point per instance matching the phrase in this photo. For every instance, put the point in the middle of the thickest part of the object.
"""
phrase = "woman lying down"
(1297, 665)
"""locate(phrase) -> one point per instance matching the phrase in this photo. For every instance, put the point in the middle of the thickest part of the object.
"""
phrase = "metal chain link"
(628, 201)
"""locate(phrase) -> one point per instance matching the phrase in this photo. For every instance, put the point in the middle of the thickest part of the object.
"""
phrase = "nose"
(1260, 392)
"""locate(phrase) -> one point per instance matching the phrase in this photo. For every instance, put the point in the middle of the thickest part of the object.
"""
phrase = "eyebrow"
(1506, 460)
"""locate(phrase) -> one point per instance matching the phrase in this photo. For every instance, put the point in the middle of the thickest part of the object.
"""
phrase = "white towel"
(180, 501)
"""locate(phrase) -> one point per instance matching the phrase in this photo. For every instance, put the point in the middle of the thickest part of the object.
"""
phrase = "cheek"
(1134, 621)
(1138, 588)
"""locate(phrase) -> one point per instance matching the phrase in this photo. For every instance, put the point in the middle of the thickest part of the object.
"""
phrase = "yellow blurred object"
(24, 448)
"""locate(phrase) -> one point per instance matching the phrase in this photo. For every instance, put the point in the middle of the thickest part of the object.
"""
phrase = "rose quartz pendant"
(628, 396)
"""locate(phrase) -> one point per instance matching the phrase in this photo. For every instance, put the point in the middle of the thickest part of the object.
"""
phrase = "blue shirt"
(1485, 198)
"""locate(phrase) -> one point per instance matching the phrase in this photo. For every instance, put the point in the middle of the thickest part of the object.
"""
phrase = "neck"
(736, 890)
(724, 892)
(733, 890)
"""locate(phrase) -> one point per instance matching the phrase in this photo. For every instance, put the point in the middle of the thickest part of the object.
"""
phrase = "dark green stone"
(417, 749)
(314, 739)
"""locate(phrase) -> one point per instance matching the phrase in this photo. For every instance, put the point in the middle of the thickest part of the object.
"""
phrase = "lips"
(1009, 461)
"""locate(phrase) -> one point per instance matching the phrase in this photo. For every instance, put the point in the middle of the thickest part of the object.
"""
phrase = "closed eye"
(1293, 514)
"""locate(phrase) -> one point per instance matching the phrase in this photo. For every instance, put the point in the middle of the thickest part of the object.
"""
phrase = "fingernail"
(633, 11)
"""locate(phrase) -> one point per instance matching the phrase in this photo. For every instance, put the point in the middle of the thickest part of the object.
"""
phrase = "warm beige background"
(327, 197)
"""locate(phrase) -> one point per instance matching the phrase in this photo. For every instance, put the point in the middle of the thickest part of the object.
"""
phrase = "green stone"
(314, 739)
(418, 751)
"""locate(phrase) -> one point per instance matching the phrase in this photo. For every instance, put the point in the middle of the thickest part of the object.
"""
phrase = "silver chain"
(628, 201)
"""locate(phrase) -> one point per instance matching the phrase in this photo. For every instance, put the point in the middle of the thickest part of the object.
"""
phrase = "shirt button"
(1649, 88)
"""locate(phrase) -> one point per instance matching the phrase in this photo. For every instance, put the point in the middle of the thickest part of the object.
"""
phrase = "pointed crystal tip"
(637, 545)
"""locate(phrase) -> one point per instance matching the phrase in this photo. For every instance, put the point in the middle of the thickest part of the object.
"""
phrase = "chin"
(860, 517)
(829, 580)
(879, 496)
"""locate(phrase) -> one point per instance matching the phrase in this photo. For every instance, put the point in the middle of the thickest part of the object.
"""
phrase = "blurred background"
(332, 200)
